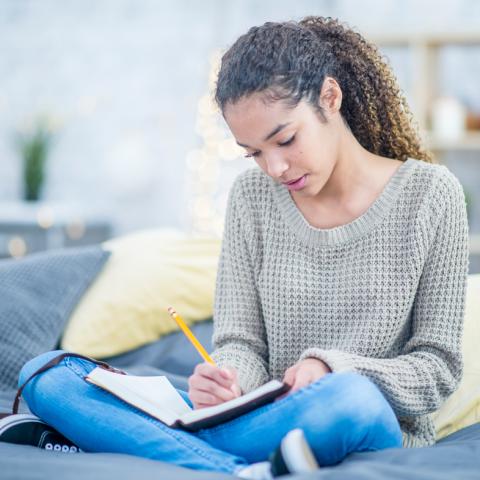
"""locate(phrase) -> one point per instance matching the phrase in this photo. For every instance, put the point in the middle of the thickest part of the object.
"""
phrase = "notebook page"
(153, 394)
(202, 413)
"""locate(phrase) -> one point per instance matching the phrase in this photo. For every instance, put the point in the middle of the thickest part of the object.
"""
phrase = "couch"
(46, 296)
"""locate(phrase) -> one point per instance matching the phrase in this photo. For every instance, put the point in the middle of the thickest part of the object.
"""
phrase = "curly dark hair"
(289, 61)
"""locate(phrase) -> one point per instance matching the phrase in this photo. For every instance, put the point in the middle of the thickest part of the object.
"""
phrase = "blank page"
(153, 394)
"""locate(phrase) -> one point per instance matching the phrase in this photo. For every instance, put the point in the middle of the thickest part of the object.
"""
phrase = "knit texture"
(38, 294)
(383, 295)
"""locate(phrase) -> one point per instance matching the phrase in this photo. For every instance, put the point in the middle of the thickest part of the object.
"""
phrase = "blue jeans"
(339, 414)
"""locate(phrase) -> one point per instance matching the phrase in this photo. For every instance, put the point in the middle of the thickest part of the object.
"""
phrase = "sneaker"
(27, 429)
(294, 455)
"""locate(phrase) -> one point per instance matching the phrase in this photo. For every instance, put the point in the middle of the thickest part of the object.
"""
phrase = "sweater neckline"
(313, 236)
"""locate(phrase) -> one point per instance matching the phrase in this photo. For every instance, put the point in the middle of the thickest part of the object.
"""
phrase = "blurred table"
(28, 227)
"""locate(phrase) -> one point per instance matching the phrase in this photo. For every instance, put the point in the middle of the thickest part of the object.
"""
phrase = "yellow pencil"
(190, 335)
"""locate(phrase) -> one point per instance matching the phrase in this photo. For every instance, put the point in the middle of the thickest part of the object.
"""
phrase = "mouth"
(291, 182)
(297, 184)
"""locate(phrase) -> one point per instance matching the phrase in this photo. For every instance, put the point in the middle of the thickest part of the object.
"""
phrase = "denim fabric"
(340, 413)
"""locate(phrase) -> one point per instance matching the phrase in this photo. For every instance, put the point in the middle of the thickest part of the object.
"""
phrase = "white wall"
(123, 79)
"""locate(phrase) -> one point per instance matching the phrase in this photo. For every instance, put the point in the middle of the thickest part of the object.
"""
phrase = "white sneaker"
(294, 455)
(256, 471)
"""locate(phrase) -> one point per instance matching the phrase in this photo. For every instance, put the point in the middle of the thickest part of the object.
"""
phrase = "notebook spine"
(232, 413)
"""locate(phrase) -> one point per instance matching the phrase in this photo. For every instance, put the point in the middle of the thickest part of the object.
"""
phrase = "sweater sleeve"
(429, 368)
(239, 338)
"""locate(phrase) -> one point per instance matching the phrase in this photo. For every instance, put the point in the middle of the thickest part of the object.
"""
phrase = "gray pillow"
(37, 295)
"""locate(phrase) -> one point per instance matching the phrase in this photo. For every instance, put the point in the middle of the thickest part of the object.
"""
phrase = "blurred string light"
(204, 164)
(45, 217)
(17, 247)
(76, 228)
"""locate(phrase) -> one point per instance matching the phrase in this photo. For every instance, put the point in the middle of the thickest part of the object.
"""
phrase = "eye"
(284, 144)
(288, 142)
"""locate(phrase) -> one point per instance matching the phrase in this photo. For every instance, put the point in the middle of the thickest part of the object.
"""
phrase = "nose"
(276, 166)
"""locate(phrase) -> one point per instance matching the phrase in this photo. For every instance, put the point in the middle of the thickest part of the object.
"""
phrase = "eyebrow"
(270, 135)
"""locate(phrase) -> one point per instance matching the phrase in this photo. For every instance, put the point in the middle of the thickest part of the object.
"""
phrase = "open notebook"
(156, 396)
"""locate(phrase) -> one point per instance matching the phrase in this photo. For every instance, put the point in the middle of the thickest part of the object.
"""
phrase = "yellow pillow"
(462, 408)
(126, 306)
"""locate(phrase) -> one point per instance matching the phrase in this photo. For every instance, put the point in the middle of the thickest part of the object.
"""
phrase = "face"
(287, 144)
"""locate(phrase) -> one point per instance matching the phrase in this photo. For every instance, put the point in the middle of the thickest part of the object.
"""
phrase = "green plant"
(34, 147)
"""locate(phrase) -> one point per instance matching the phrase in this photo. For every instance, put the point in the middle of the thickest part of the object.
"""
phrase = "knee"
(362, 400)
(353, 396)
(369, 409)
(34, 364)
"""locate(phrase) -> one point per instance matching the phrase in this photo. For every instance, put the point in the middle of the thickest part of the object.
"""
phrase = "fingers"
(296, 378)
(197, 406)
(210, 385)
(221, 376)
(301, 380)
(212, 390)
(289, 376)
(200, 397)
(235, 387)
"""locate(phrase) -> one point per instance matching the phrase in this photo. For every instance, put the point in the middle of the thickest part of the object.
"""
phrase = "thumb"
(290, 375)
(302, 379)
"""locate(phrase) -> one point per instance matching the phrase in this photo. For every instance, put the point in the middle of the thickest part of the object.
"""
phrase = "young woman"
(343, 269)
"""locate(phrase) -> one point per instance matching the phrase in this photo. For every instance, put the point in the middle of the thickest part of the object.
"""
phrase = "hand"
(210, 385)
(303, 373)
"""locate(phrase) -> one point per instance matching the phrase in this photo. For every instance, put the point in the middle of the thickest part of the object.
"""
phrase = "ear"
(330, 96)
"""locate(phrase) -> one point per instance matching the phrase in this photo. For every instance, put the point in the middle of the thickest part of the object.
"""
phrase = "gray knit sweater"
(383, 295)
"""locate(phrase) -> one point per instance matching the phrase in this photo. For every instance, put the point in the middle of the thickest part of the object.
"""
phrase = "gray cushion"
(37, 295)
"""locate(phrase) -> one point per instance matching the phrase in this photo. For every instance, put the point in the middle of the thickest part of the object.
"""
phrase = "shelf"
(431, 40)
(470, 141)
(424, 52)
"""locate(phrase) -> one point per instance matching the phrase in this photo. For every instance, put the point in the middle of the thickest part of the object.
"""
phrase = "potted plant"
(34, 146)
